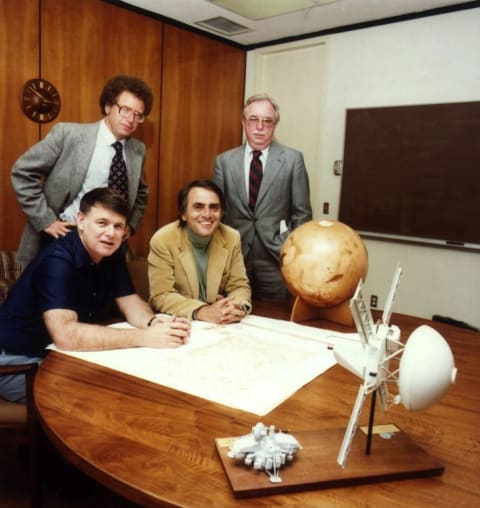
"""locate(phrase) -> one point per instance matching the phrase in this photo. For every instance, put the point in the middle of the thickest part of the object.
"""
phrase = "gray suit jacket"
(50, 174)
(284, 195)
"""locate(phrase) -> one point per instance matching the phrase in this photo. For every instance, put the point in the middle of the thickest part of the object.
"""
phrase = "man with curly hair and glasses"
(52, 176)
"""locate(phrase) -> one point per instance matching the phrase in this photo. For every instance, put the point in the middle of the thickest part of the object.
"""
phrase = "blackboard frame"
(413, 173)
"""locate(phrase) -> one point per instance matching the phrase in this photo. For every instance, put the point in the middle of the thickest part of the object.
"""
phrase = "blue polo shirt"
(61, 276)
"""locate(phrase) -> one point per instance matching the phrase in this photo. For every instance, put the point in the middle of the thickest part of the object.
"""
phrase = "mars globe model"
(322, 261)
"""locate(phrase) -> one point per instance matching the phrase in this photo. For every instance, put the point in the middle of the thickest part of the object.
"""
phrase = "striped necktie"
(255, 179)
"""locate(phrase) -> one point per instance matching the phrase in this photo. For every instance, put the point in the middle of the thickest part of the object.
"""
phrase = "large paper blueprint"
(253, 365)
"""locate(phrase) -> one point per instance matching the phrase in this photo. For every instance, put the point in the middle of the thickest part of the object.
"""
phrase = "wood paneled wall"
(19, 54)
(202, 100)
(197, 84)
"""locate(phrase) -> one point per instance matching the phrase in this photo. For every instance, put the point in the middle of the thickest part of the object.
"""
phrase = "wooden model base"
(315, 465)
(303, 311)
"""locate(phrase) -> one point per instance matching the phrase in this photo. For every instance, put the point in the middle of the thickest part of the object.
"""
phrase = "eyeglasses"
(264, 122)
(126, 112)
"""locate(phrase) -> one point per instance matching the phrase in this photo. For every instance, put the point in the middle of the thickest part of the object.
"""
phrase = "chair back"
(10, 270)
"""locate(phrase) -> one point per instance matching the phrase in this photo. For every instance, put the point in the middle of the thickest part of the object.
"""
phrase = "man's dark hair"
(118, 84)
(204, 184)
(106, 197)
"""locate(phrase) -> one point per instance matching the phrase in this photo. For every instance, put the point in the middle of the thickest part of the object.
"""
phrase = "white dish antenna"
(427, 369)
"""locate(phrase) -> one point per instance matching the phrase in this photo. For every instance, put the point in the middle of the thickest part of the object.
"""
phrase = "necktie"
(256, 173)
(118, 178)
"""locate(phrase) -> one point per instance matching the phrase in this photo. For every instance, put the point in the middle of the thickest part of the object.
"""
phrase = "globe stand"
(304, 311)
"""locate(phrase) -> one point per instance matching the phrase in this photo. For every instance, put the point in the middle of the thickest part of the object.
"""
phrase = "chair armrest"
(9, 370)
(29, 369)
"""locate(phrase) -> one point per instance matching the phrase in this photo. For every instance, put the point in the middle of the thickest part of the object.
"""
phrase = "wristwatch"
(195, 312)
(245, 308)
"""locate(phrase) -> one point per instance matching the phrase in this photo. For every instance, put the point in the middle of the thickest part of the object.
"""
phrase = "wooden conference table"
(155, 446)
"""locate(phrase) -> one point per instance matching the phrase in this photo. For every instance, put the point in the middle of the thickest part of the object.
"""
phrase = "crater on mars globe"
(322, 261)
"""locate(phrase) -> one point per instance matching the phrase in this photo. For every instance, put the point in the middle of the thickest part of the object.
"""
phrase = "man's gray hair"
(263, 97)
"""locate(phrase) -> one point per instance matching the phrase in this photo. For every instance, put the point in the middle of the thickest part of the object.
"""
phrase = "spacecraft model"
(421, 370)
(416, 373)
(265, 450)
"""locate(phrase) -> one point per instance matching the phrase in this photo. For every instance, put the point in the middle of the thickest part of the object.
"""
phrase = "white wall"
(279, 70)
(424, 61)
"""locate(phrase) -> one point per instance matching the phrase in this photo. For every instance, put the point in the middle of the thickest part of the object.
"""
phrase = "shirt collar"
(106, 135)
(250, 151)
(80, 254)
(200, 242)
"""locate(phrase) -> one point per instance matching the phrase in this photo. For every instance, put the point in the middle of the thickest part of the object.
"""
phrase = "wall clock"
(40, 100)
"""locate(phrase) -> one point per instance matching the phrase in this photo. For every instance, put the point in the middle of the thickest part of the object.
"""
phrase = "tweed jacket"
(284, 195)
(172, 272)
(48, 177)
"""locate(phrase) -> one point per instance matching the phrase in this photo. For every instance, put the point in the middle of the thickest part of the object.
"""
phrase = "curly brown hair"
(118, 84)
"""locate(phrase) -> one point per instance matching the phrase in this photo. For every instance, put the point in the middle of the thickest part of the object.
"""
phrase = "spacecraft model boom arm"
(352, 425)
(387, 311)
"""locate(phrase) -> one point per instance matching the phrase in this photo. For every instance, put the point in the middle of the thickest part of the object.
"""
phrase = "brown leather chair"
(18, 423)
(138, 269)
(9, 272)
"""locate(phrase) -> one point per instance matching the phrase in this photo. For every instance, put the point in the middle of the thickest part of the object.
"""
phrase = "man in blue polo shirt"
(60, 295)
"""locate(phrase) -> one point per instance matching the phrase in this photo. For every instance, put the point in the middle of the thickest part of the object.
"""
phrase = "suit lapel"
(188, 263)
(238, 174)
(217, 257)
(133, 154)
(85, 146)
(274, 164)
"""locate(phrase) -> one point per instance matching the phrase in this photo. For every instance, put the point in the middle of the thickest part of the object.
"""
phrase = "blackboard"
(413, 172)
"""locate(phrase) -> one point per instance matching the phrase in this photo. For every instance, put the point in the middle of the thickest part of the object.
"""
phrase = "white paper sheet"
(254, 365)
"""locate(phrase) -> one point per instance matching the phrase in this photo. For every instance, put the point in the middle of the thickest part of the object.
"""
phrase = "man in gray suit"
(267, 203)
(52, 176)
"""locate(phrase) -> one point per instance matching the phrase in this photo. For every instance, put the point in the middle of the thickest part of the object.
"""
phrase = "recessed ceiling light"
(262, 9)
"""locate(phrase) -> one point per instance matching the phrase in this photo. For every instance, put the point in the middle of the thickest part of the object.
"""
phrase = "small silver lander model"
(265, 449)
